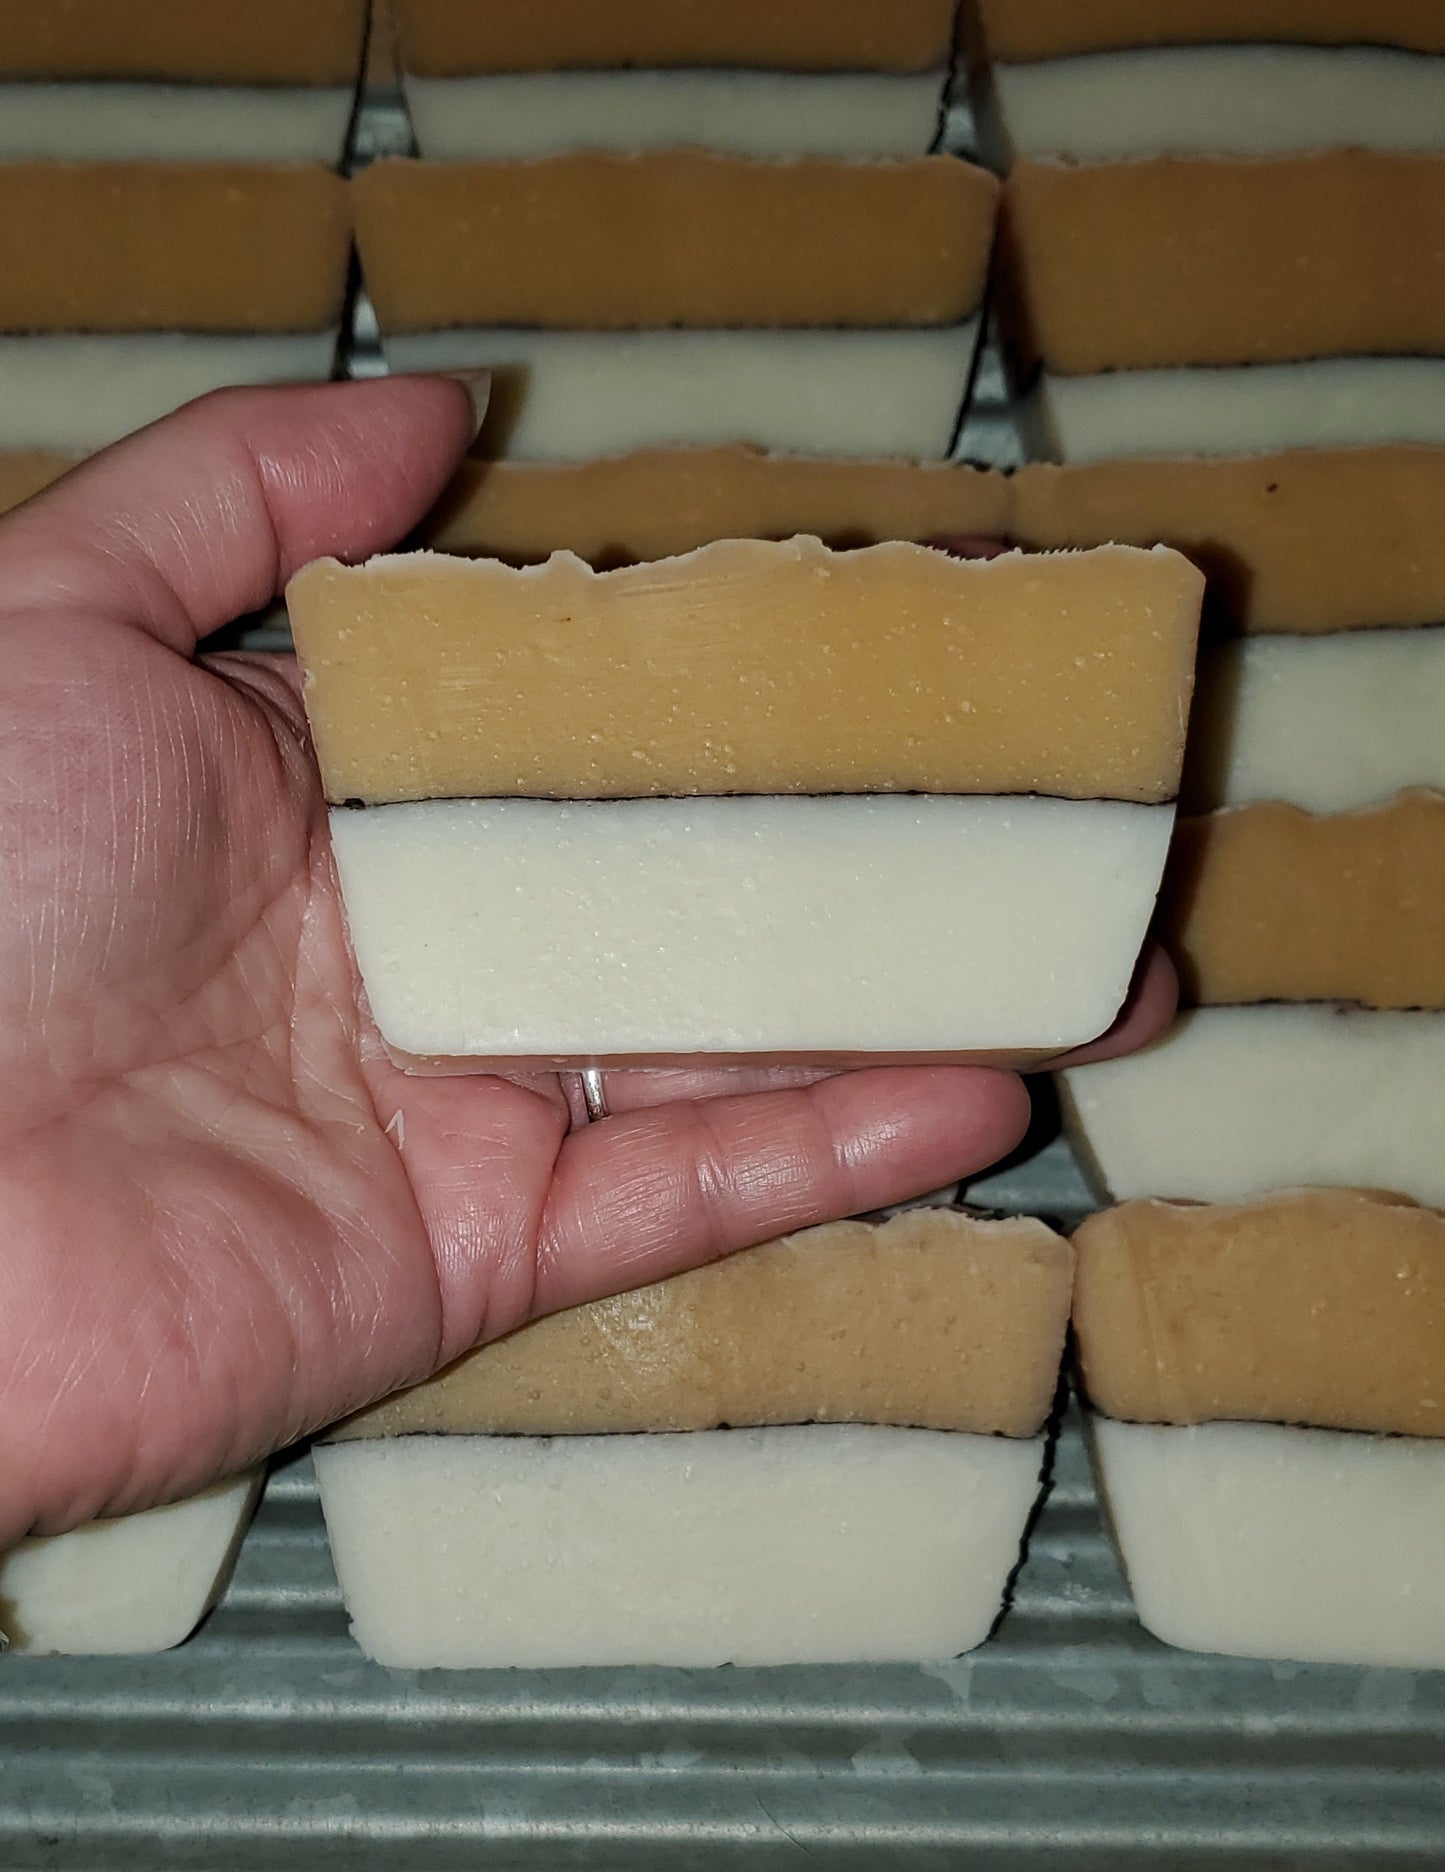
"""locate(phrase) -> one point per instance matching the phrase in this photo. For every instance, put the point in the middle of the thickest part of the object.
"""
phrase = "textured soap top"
(1268, 903)
(933, 1319)
(1310, 540)
(24, 472)
(750, 667)
(659, 502)
(1035, 29)
(593, 240)
(255, 42)
(1218, 261)
(206, 247)
(1322, 1307)
(448, 38)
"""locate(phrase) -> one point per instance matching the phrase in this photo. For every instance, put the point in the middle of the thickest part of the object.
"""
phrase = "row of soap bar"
(1082, 82)
(828, 1448)
(519, 78)
(1206, 307)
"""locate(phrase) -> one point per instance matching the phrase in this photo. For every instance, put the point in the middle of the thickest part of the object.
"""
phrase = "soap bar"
(447, 38)
(658, 502)
(176, 81)
(750, 667)
(1145, 264)
(569, 396)
(795, 1544)
(140, 1583)
(600, 241)
(933, 1319)
(1283, 538)
(1253, 409)
(265, 42)
(1323, 1307)
(1225, 100)
(24, 472)
(1267, 1540)
(1036, 29)
(1268, 903)
(1328, 724)
(535, 933)
(1234, 1101)
(147, 247)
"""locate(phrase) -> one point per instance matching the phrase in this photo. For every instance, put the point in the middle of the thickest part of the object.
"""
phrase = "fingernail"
(478, 386)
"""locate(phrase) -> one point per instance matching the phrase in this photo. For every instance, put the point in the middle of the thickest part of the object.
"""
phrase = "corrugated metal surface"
(1071, 1740)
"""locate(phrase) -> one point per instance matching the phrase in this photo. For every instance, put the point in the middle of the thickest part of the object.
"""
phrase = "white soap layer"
(806, 392)
(175, 122)
(577, 931)
(750, 113)
(1235, 1101)
(1250, 410)
(140, 1583)
(1327, 723)
(1258, 100)
(66, 390)
(1266, 1540)
(801, 1544)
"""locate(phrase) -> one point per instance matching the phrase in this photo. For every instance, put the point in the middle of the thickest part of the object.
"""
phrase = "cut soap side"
(137, 1584)
(1316, 1306)
(933, 1319)
(810, 929)
(572, 396)
(1250, 409)
(1235, 1101)
(750, 667)
(1267, 1540)
(796, 1544)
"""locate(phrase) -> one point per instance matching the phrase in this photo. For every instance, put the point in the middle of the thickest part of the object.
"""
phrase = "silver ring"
(595, 1097)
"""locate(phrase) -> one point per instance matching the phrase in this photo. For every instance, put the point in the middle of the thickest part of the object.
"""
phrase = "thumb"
(205, 515)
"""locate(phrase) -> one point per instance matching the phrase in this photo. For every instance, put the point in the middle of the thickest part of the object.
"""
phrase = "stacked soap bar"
(819, 77)
(763, 800)
(682, 297)
(140, 1583)
(1207, 306)
(1268, 1389)
(127, 288)
(1312, 951)
(176, 80)
(825, 1449)
(1305, 897)
(1099, 80)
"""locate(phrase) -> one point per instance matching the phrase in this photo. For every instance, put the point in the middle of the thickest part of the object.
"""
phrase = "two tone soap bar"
(1133, 78)
(628, 301)
(824, 1449)
(1202, 306)
(817, 77)
(128, 288)
(1268, 1392)
(175, 80)
(1312, 952)
(763, 801)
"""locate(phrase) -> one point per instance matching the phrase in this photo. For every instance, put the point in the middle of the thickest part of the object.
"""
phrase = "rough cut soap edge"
(395, 1416)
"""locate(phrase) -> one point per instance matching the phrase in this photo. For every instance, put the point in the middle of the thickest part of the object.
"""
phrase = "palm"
(225, 1218)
